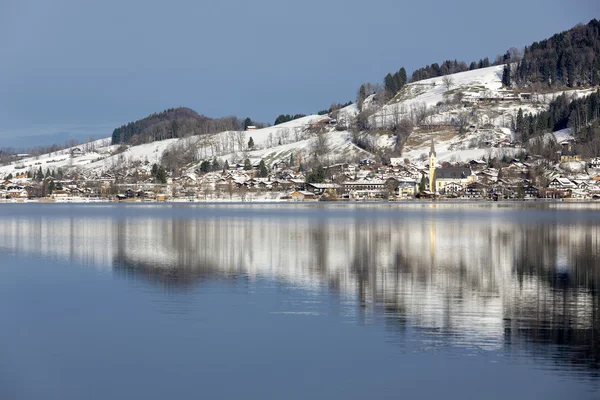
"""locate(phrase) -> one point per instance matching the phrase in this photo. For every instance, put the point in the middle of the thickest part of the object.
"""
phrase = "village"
(531, 178)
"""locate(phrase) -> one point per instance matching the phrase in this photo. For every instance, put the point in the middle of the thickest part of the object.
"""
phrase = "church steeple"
(432, 162)
(432, 149)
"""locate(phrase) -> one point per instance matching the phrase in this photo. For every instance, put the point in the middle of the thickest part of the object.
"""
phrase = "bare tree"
(448, 82)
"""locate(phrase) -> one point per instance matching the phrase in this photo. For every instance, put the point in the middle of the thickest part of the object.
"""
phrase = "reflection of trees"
(566, 315)
(534, 284)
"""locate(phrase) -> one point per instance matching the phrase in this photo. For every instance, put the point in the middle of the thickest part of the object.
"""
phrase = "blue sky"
(71, 68)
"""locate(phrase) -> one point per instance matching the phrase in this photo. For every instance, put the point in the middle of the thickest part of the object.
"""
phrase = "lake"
(300, 301)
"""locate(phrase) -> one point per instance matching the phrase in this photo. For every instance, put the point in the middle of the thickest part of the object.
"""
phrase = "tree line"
(287, 118)
(570, 58)
(577, 114)
(176, 123)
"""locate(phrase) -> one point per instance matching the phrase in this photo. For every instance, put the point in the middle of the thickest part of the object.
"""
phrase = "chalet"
(299, 184)
(531, 192)
(320, 188)
(561, 184)
(299, 195)
(475, 190)
(16, 191)
(452, 187)
(477, 165)
(251, 128)
(594, 163)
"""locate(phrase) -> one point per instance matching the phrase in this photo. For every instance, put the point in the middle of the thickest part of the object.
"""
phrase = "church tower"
(432, 162)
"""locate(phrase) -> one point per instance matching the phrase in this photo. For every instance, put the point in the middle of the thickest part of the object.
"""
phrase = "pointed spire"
(432, 150)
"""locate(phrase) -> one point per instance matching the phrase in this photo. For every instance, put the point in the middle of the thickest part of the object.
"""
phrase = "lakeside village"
(519, 179)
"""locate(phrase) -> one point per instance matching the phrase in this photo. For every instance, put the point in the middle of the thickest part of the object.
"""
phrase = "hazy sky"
(70, 67)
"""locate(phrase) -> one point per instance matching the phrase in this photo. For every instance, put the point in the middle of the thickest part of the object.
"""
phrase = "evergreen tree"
(10, 176)
(317, 175)
(292, 160)
(247, 165)
(520, 125)
(205, 166)
(262, 169)
(215, 165)
(51, 187)
(251, 143)
(226, 166)
(422, 184)
(403, 77)
(247, 123)
(154, 170)
(161, 175)
(506, 75)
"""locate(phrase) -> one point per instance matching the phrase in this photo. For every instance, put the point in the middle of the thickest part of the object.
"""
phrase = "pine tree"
(161, 175)
(247, 165)
(422, 185)
(226, 166)
(506, 75)
(292, 160)
(215, 165)
(247, 123)
(403, 77)
(251, 143)
(262, 169)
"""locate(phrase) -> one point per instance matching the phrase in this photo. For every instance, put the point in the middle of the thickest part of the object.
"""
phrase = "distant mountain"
(172, 123)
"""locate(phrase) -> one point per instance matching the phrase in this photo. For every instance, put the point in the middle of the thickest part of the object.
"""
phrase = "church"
(447, 180)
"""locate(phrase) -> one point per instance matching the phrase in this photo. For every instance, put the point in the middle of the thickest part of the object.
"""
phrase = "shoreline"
(288, 201)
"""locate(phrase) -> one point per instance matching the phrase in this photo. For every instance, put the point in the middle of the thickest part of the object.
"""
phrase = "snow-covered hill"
(475, 99)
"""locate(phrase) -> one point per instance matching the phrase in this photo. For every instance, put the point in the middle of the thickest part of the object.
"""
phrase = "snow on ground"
(272, 144)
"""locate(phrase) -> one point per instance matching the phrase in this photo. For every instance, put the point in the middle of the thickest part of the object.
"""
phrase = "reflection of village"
(488, 282)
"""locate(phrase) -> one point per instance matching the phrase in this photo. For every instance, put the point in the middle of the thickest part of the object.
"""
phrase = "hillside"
(488, 111)
(470, 115)
(169, 124)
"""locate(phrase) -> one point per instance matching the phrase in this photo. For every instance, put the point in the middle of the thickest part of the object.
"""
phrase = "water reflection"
(502, 280)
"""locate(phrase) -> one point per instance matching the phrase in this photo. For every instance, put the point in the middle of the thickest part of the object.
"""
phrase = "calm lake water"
(429, 301)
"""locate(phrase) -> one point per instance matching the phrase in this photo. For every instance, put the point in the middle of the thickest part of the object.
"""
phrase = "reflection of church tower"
(432, 162)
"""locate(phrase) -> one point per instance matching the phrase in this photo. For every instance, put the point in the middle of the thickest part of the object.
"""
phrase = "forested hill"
(172, 123)
(570, 58)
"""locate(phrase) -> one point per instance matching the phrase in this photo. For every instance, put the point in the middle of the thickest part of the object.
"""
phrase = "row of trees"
(563, 112)
(176, 123)
(393, 83)
(446, 68)
(39, 175)
(570, 58)
(287, 117)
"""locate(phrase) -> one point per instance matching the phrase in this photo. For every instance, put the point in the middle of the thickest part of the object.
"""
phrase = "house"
(561, 183)
(594, 163)
(320, 188)
(452, 187)
(406, 188)
(475, 190)
(302, 195)
(531, 192)
(365, 188)
(251, 128)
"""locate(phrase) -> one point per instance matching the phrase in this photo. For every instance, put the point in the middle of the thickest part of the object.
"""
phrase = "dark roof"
(452, 173)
